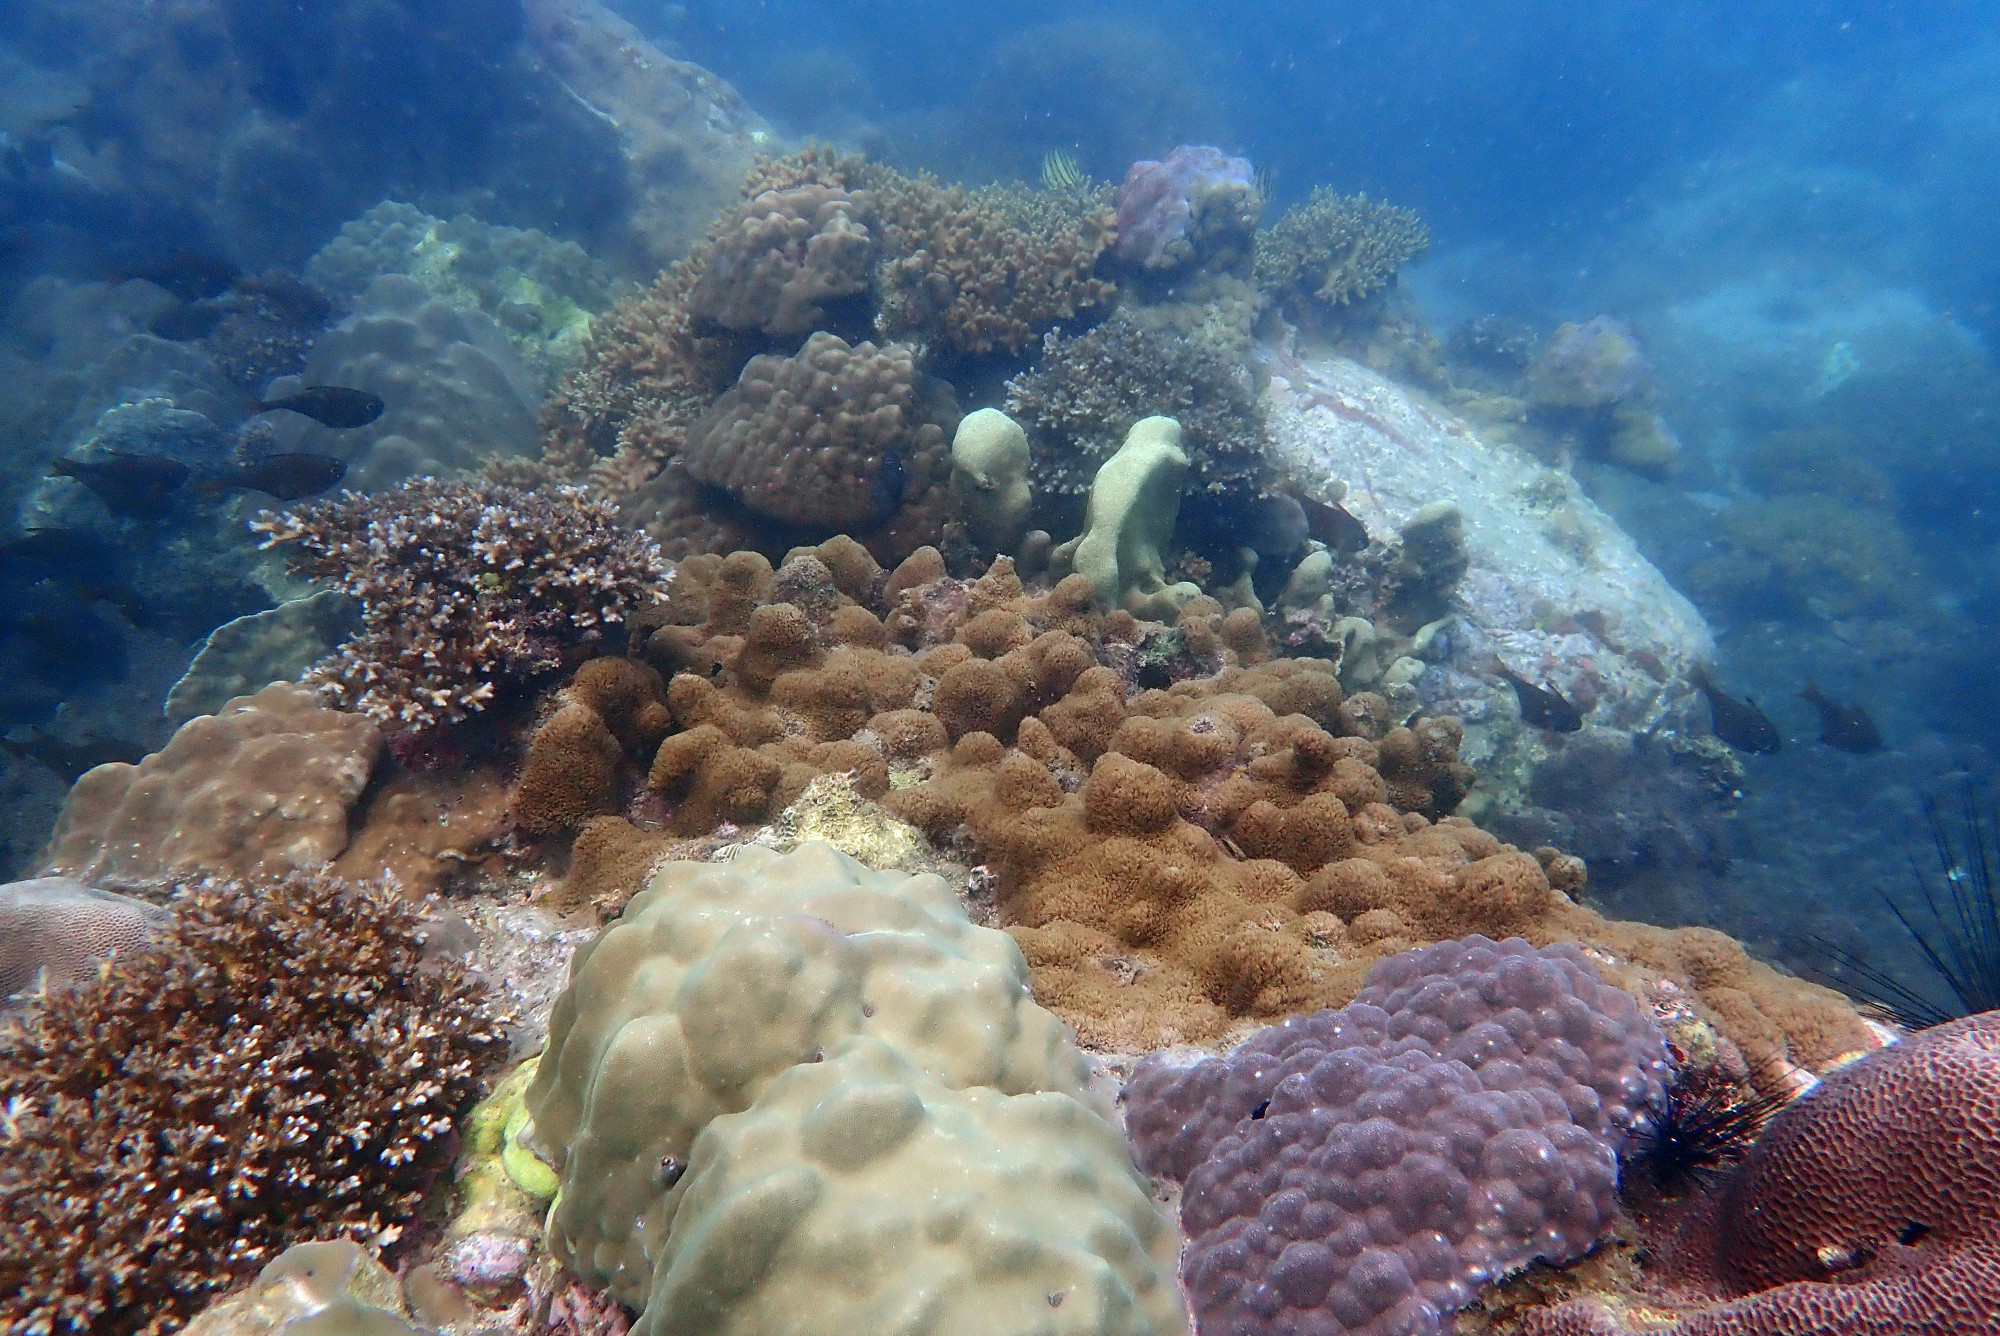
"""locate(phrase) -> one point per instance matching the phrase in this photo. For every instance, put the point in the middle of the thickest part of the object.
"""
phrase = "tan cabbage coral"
(1337, 249)
(779, 259)
(261, 788)
(466, 589)
(832, 438)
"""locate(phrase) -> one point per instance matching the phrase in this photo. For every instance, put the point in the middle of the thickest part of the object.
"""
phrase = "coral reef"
(1334, 250)
(1866, 1206)
(740, 976)
(1087, 391)
(780, 260)
(307, 1287)
(1590, 383)
(467, 590)
(261, 788)
(837, 437)
(286, 1065)
(55, 931)
(1198, 208)
(1460, 1117)
(989, 477)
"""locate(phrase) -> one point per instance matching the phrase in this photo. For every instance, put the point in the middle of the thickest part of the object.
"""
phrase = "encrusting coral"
(1180, 847)
(1870, 1205)
(263, 787)
(1460, 1117)
(286, 1064)
(467, 590)
(1337, 249)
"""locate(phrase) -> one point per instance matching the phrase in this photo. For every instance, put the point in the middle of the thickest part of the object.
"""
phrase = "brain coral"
(1366, 1170)
(861, 1194)
(1871, 1205)
(261, 788)
(55, 929)
(717, 980)
(831, 438)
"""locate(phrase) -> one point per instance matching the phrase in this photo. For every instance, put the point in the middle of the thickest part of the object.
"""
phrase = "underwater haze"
(1258, 501)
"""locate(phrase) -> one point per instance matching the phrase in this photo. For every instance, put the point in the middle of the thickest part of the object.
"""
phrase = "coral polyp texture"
(1871, 1205)
(1366, 1170)
(780, 258)
(789, 1057)
(285, 1064)
(831, 438)
(1334, 250)
(467, 590)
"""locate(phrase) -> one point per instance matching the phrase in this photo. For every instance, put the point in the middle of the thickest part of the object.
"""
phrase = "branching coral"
(285, 1066)
(1086, 392)
(467, 589)
(1337, 249)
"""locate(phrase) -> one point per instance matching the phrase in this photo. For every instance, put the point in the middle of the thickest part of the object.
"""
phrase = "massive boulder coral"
(842, 1015)
(467, 590)
(1460, 1117)
(1870, 1205)
(780, 261)
(263, 787)
(1334, 250)
(54, 930)
(286, 1064)
(836, 437)
(1198, 206)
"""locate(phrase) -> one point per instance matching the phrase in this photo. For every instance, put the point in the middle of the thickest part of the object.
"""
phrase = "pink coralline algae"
(1164, 207)
(1365, 1170)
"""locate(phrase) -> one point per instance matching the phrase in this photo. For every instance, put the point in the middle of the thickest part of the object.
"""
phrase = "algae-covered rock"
(334, 1288)
(1133, 505)
(989, 477)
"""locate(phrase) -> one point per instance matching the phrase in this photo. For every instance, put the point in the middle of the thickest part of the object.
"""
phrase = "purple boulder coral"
(1167, 210)
(1365, 1170)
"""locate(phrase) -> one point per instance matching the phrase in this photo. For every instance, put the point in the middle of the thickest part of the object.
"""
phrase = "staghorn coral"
(780, 260)
(263, 787)
(1460, 1117)
(1337, 249)
(835, 437)
(1086, 392)
(1868, 1206)
(285, 1065)
(467, 590)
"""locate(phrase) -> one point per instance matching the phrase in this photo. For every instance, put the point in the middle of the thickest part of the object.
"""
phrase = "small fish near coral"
(329, 405)
(1737, 722)
(1541, 707)
(1846, 727)
(136, 486)
(288, 477)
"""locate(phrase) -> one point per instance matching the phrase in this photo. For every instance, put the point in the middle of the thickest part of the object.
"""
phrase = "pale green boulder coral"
(1133, 505)
(989, 477)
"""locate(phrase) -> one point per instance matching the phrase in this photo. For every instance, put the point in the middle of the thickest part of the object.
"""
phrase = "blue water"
(1790, 203)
